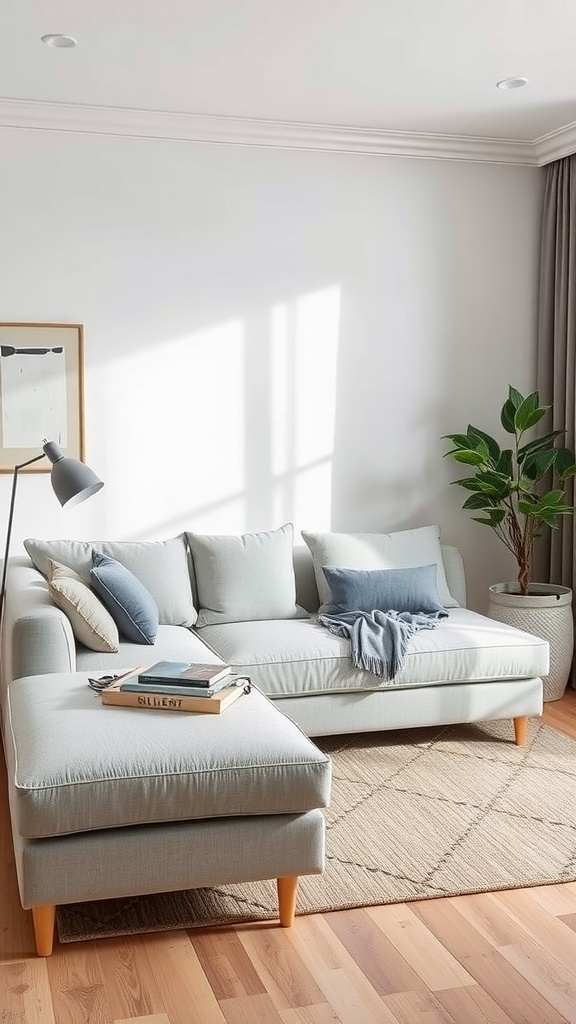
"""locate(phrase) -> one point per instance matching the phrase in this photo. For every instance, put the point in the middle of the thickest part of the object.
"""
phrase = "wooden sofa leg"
(287, 888)
(521, 730)
(44, 919)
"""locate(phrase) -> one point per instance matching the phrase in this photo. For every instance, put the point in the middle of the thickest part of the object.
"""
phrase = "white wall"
(271, 335)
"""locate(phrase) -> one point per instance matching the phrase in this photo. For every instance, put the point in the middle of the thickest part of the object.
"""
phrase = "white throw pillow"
(399, 550)
(91, 623)
(245, 578)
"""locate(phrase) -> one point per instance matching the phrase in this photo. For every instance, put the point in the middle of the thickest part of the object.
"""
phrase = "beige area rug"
(415, 814)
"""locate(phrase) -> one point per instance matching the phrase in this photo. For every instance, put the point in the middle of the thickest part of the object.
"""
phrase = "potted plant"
(508, 491)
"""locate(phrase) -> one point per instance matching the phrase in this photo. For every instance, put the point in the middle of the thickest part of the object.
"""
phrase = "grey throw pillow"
(245, 577)
(411, 590)
(131, 606)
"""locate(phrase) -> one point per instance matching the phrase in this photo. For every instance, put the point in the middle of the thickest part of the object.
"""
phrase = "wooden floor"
(502, 958)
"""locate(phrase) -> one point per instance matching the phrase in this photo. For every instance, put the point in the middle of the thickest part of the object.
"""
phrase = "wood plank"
(25, 996)
(225, 963)
(256, 1009)
(154, 1018)
(77, 984)
(417, 1008)
(321, 1014)
(345, 987)
(419, 946)
(131, 988)
(378, 959)
(544, 973)
(555, 899)
(483, 962)
(548, 931)
(283, 972)
(472, 1005)
(183, 986)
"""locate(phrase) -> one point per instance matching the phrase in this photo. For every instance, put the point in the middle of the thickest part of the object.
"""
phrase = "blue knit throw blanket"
(379, 639)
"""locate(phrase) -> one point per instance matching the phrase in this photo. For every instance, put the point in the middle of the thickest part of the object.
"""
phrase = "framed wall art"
(41, 392)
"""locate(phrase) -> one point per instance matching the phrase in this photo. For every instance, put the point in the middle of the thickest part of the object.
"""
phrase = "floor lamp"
(72, 482)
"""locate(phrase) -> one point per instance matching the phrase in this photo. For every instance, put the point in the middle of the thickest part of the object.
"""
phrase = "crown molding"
(556, 144)
(237, 131)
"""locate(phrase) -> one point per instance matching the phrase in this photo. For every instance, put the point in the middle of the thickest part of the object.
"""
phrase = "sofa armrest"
(36, 636)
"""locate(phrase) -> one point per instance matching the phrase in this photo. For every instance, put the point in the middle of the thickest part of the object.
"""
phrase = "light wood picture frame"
(41, 392)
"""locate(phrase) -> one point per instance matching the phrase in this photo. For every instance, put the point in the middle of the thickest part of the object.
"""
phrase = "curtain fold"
(556, 367)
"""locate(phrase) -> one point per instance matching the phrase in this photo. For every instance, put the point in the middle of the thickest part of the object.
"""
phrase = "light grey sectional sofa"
(252, 601)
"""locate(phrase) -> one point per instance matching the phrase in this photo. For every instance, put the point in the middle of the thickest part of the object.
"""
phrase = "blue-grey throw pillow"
(412, 589)
(131, 606)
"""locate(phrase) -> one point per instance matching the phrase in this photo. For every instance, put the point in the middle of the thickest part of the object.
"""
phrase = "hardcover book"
(134, 684)
(184, 673)
(171, 702)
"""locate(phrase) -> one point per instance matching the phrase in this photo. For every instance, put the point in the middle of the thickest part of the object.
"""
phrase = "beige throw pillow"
(91, 623)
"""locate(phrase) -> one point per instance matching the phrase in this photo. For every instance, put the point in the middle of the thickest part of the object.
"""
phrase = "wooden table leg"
(287, 888)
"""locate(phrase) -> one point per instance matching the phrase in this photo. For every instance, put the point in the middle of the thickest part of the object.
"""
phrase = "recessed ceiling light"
(512, 83)
(57, 39)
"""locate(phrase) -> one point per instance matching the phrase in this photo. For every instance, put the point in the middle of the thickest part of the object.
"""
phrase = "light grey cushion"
(128, 766)
(246, 577)
(131, 606)
(411, 589)
(91, 623)
(162, 566)
(398, 550)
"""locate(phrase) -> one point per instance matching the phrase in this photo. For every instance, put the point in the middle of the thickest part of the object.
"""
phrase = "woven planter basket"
(545, 612)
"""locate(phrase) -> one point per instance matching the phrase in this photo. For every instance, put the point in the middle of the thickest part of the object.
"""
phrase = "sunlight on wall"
(185, 433)
(230, 428)
(303, 389)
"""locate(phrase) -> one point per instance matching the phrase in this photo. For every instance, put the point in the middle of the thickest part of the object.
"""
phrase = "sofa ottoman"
(108, 801)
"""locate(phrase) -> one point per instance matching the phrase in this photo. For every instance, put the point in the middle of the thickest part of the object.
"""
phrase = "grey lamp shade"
(72, 481)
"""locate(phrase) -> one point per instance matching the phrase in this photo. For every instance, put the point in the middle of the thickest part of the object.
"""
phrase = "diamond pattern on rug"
(415, 814)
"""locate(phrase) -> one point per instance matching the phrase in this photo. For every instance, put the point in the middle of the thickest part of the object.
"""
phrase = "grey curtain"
(556, 551)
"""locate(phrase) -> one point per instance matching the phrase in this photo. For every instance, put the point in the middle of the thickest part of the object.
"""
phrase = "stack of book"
(176, 686)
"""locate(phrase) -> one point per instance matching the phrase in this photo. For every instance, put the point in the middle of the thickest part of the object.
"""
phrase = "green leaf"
(491, 444)
(477, 501)
(470, 458)
(537, 464)
(460, 440)
(504, 465)
(515, 397)
(507, 417)
(538, 444)
(496, 517)
(525, 412)
(469, 482)
(495, 483)
(564, 465)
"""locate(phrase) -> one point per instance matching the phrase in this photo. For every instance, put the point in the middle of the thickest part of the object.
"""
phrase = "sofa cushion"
(411, 590)
(405, 548)
(131, 606)
(302, 657)
(81, 765)
(162, 566)
(91, 623)
(246, 577)
(173, 643)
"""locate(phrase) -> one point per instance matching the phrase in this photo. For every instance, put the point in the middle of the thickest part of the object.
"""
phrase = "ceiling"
(417, 66)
